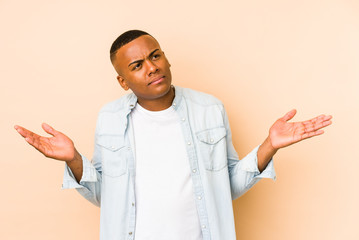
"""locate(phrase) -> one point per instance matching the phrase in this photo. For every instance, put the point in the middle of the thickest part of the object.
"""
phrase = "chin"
(163, 90)
(158, 92)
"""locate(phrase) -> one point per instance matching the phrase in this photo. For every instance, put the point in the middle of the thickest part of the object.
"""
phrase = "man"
(164, 166)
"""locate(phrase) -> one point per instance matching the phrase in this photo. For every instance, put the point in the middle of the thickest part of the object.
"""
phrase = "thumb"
(49, 129)
(289, 115)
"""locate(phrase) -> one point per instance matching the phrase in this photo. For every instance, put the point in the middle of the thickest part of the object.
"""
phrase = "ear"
(122, 82)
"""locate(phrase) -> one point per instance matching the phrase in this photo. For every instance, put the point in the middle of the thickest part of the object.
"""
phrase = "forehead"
(137, 49)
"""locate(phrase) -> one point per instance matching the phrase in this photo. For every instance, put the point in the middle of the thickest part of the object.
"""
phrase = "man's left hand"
(284, 133)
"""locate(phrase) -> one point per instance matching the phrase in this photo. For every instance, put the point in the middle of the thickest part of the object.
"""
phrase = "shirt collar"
(132, 99)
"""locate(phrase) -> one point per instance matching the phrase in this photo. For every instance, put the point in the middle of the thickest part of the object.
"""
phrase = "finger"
(312, 134)
(317, 125)
(38, 144)
(317, 122)
(320, 118)
(328, 117)
(326, 123)
(23, 131)
(19, 130)
(289, 115)
(49, 129)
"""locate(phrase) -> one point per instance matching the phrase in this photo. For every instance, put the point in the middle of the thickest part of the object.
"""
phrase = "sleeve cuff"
(250, 164)
(88, 175)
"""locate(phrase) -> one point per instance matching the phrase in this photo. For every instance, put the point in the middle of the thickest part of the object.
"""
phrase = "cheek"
(162, 64)
(136, 79)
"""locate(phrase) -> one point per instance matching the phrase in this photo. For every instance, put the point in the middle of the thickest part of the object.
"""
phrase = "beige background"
(261, 58)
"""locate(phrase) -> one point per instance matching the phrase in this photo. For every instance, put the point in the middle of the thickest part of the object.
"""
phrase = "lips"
(156, 80)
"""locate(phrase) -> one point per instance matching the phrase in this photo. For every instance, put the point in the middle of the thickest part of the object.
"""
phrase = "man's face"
(142, 67)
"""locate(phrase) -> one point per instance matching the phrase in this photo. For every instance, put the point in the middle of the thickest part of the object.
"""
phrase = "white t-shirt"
(166, 206)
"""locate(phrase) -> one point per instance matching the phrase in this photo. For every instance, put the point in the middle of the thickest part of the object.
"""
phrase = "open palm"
(284, 133)
(59, 146)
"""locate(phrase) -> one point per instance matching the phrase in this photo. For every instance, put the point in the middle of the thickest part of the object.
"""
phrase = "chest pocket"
(113, 153)
(212, 144)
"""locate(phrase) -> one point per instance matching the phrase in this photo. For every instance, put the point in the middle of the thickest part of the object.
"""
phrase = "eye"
(156, 56)
(138, 65)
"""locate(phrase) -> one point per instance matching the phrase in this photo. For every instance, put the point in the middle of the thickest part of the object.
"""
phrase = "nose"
(152, 68)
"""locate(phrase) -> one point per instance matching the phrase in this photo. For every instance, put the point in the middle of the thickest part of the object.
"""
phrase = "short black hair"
(123, 39)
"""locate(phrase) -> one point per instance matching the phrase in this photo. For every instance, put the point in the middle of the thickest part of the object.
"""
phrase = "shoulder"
(118, 104)
(200, 98)
(113, 113)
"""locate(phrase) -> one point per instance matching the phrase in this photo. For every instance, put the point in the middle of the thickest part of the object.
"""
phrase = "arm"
(76, 166)
(80, 173)
(282, 134)
(258, 164)
(243, 173)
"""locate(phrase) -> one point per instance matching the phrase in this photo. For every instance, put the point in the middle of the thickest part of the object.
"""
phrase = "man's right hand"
(59, 146)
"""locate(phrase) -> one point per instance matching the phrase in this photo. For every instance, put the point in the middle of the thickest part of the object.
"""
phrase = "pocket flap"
(212, 136)
(111, 142)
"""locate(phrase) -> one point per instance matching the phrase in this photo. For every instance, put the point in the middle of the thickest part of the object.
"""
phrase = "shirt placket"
(195, 172)
(131, 169)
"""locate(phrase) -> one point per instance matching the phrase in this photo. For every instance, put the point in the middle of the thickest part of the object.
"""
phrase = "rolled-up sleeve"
(88, 175)
(250, 164)
(245, 173)
(90, 184)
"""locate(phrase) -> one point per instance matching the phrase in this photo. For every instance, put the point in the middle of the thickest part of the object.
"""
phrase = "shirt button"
(199, 197)
(194, 170)
(183, 119)
(128, 148)
(189, 143)
(112, 147)
(211, 140)
(133, 204)
(130, 233)
(203, 226)
(174, 104)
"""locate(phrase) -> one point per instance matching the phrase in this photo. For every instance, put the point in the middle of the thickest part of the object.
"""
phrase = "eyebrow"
(150, 55)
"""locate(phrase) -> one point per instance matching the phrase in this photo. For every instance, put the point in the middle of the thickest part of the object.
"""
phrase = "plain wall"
(261, 58)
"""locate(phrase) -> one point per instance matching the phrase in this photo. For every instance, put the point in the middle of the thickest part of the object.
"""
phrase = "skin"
(139, 64)
(284, 133)
(143, 67)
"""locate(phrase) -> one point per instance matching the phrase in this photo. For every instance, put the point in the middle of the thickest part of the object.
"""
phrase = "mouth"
(156, 80)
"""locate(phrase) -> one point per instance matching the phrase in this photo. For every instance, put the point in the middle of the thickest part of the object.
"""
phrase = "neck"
(158, 104)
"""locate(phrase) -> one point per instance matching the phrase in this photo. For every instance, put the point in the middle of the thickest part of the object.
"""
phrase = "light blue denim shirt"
(218, 175)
